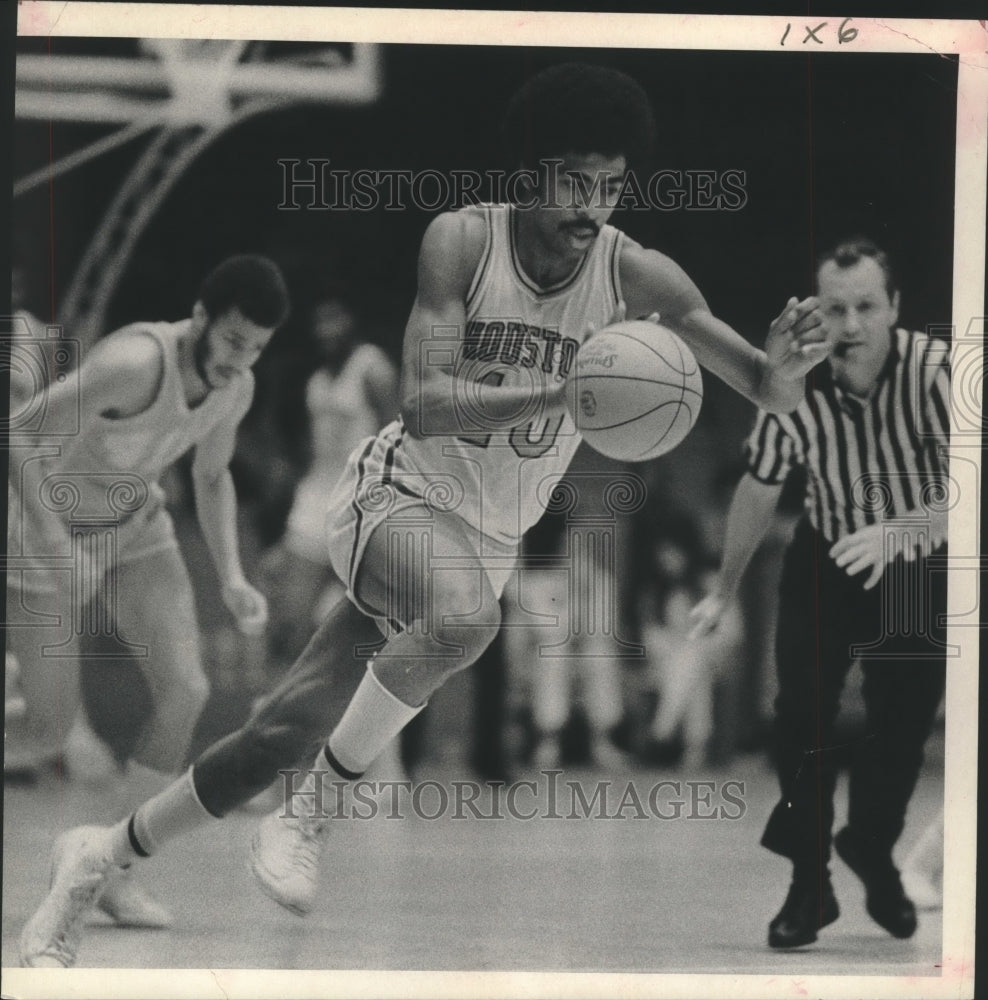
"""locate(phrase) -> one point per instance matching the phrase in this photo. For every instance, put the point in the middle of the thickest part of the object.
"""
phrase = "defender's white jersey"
(516, 334)
(151, 441)
(100, 470)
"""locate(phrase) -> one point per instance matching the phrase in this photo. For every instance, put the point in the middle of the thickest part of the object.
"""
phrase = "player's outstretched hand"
(248, 605)
(706, 616)
(796, 339)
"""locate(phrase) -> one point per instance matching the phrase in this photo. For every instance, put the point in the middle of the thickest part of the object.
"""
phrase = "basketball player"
(146, 395)
(874, 425)
(424, 525)
(348, 397)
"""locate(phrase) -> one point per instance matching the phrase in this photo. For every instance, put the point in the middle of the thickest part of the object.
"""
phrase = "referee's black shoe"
(885, 899)
(810, 905)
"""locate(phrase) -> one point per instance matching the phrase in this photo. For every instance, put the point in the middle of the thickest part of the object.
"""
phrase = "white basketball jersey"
(100, 469)
(341, 413)
(342, 416)
(521, 335)
(154, 439)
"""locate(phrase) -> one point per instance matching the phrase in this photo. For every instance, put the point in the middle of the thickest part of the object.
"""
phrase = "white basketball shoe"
(129, 904)
(80, 866)
(287, 849)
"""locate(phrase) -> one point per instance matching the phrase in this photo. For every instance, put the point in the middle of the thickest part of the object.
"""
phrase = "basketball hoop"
(173, 99)
(199, 72)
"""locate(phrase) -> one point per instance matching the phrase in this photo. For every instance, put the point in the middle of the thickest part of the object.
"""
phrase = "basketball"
(635, 391)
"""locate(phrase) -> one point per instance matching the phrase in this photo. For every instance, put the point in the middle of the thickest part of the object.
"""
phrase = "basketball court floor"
(592, 895)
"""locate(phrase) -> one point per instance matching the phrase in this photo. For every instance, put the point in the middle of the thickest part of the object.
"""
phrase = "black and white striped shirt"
(866, 460)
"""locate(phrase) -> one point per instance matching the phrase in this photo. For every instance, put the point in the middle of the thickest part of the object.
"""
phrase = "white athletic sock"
(167, 815)
(371, 721)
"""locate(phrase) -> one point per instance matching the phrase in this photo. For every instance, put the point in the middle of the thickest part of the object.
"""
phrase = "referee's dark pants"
(823, 615)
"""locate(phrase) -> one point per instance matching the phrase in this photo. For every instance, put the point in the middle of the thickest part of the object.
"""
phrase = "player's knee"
(453, 628)
(472, 637)
(461, 646)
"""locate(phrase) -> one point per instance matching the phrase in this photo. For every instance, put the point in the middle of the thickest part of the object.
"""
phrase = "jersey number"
(520, 438)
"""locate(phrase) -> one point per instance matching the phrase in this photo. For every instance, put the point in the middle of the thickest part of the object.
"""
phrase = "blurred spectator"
(567, 659)
(684, 672)
(350, 396)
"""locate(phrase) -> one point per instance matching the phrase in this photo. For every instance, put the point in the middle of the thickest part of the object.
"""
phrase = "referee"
(857, 582)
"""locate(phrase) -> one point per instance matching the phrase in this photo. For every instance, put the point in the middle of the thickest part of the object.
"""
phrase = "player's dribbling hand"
(557, 392)
(620, 314)
(706, 616)
(797, 340)
(247, 605)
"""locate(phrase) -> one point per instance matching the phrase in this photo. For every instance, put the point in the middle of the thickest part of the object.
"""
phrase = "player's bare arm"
(118, 378)
(216, 510)
(430, 385)
(773, 378)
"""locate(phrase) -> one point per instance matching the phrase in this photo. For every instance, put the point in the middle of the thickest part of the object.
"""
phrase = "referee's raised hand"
(797, 340)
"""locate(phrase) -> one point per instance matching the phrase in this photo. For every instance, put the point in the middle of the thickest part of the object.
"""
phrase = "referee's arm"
(748, 521)
(770, 453)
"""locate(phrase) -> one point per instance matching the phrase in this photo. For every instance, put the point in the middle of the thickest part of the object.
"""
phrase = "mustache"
(588, 224)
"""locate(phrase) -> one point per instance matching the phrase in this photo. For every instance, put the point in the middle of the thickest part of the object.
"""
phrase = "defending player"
(505, 297)
(146, 395)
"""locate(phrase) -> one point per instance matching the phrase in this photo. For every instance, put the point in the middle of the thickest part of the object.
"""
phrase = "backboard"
(169, 100)
(130, 79)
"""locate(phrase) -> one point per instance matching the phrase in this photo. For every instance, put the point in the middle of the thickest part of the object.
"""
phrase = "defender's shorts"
(40, 548)
(375, 490)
